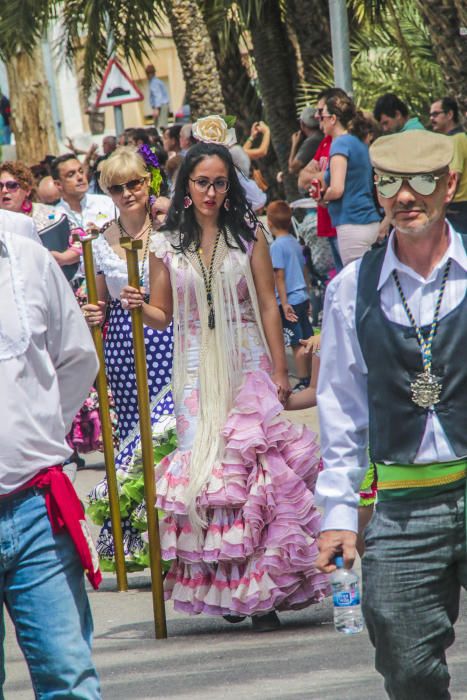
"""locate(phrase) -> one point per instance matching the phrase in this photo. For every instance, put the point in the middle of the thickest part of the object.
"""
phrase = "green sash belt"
(415, 481)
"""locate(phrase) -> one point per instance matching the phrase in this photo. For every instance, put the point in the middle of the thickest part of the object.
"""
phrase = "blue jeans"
(414, 566)
(42, 586)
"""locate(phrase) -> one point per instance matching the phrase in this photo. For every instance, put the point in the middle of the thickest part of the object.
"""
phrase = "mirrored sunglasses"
(131, 186)
(389, 185)
(10, 186)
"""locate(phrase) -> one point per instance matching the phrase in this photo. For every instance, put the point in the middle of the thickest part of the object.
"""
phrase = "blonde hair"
(123, 165)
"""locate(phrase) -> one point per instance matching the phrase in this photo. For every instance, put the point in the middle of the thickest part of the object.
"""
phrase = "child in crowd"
(291, 287)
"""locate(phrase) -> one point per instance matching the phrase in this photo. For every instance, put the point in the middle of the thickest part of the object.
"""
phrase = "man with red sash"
(393, 376)
(47, 364)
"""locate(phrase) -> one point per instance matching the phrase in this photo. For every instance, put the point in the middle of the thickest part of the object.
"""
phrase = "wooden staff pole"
(131, 248)
(104, 412)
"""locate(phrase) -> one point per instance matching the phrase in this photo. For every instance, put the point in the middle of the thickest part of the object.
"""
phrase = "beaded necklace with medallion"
(207, 277)
(426, 387)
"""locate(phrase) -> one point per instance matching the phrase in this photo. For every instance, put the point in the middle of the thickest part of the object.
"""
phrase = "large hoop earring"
(187, 201)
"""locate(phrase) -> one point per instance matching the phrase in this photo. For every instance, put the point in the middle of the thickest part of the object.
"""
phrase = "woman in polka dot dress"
(126, 179)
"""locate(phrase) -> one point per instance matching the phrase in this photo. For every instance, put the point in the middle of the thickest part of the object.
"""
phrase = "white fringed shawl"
(220, 360)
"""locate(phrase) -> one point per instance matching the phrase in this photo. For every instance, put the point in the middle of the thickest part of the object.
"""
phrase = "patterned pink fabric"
(259, 547)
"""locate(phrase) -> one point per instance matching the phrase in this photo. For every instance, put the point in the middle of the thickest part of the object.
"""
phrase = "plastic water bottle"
(346, 597)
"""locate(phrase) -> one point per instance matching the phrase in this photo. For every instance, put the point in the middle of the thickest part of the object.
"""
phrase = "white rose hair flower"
(214, 129)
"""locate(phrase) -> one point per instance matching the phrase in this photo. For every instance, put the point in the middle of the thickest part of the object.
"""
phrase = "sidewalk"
(207, 659)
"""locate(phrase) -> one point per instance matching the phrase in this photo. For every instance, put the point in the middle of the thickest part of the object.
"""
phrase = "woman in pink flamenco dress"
(240, 525)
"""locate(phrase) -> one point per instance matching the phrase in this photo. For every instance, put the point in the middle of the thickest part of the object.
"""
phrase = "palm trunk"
(309, 20)
(445, 19)
(31, 116)
(273, 60)
(196, 55)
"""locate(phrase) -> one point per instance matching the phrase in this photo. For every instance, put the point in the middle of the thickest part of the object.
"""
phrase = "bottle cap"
(339, 562)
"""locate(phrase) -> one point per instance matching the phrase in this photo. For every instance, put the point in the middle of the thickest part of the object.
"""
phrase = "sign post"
(116, 90)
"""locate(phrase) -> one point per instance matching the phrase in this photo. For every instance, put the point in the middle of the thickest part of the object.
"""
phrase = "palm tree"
(31, 114)
(275, 64)
(196, 55)
(309, 20)
(440, 24)
(124, 25)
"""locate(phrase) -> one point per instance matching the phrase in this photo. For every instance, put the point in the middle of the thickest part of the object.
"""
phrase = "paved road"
(206, 659)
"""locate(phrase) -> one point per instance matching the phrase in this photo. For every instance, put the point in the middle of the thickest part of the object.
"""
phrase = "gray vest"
(393, 358)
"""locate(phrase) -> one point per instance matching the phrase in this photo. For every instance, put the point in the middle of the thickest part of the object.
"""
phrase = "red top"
(324, 226)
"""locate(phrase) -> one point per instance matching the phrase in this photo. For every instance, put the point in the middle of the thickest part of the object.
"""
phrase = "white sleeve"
(256, 198)
(33, 232)
(69, 343)
(343, 408)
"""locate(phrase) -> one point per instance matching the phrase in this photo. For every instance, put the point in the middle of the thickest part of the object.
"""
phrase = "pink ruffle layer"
(258, 550)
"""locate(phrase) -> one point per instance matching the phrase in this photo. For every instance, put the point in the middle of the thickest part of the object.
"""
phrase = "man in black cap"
(393, 376)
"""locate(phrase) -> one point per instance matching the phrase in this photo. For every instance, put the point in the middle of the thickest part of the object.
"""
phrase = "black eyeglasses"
(131, 186)
(10, 186)
(435, 114)
(202, 184)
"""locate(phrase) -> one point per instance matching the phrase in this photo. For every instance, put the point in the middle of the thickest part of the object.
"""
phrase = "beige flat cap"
(412, 152)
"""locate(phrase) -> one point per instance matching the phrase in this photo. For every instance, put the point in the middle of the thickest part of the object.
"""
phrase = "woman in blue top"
(348, 180)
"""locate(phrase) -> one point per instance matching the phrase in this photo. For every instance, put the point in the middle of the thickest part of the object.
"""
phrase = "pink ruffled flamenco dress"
(240, 525)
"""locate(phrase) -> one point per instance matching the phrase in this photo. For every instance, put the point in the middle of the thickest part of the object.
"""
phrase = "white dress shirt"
(256, 198)
(18, 223)
(47, 361)
(97, 209)
(342, 385)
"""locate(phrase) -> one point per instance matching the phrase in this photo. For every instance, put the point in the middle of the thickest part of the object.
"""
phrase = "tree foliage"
(125, 24)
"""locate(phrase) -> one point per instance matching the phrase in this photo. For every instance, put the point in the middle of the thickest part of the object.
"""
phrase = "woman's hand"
(94, 313)
(159, 211)
(312, 345)
(281, 380)
(132, 298)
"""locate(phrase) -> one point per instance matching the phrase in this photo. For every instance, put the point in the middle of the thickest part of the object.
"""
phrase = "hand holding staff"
(131, 248)
(104, 412)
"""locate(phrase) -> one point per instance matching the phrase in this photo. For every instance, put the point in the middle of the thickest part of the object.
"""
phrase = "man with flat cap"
(393, 377)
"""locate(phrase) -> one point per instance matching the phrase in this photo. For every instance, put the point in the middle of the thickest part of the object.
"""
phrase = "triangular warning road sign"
(117, 87)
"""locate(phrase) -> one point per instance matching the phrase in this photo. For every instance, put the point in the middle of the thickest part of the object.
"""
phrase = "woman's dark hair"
(349, 116)
(239, 218)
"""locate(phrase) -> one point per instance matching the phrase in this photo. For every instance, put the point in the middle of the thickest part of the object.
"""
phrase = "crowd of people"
(226, 282)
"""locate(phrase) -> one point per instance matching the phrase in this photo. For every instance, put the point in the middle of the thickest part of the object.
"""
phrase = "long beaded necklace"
(207, 277)
(426, 388)
(124, 233)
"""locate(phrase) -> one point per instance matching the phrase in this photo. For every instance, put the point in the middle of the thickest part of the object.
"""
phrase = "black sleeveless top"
(393, 358)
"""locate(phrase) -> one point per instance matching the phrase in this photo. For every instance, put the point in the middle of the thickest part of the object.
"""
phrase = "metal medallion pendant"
(426, 389)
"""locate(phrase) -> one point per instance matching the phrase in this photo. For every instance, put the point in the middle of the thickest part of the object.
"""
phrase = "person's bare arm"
(159, 311)
(261, 150)
(263, 276)
(307, 174)
(67, 257)
(279, 277)
(297, 138)
(338, 171)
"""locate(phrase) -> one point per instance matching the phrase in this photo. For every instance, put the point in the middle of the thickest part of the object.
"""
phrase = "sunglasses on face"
(131, 186)
(389, 185)
(202, 184)
(10, 186)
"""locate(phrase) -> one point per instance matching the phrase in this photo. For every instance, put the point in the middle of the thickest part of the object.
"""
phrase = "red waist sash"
(66, 513)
